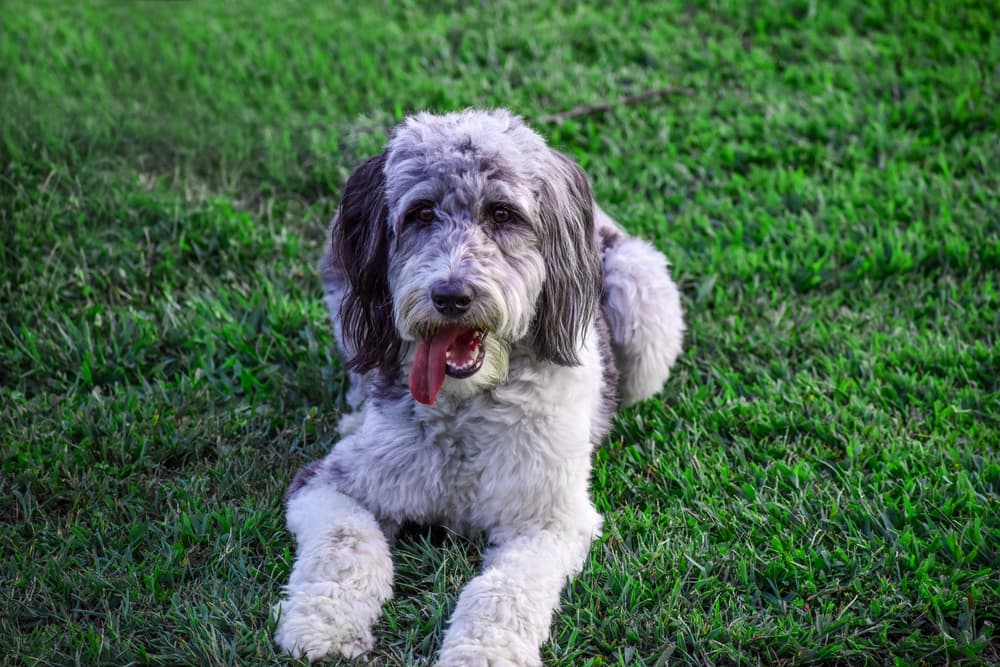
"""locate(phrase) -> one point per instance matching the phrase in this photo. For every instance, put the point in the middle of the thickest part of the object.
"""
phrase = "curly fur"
(580, 317)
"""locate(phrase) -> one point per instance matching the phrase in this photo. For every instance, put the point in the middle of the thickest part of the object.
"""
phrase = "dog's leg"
(341, 577)
(503, 615)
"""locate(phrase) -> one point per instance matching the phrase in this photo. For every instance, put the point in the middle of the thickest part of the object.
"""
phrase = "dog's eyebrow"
(497, 169)
(499, 188)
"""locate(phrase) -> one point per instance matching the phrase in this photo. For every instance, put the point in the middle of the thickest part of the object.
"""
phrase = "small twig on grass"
(586, 109)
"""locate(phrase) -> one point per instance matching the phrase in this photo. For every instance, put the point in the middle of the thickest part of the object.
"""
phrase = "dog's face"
(466, 236)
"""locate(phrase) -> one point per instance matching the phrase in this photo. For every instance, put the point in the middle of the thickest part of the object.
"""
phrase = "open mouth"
(455, 350)
(465, 356)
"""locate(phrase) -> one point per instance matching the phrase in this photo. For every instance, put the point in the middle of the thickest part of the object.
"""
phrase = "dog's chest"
(478, 461)
(507, 457)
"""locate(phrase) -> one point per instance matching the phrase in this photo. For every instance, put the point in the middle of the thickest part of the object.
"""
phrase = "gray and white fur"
(470, 221)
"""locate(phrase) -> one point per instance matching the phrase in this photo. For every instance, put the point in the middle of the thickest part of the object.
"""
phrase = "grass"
(819, 482)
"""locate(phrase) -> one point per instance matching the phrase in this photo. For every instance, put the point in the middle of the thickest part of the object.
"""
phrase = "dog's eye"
(501, 215)
(423, 214)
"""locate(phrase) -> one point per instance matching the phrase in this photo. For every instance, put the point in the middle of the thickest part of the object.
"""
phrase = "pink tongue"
(427, 374)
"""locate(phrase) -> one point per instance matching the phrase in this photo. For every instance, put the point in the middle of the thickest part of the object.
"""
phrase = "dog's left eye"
(501, 215)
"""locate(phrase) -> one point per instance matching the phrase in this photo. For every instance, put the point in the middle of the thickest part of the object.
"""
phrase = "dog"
(493, 318)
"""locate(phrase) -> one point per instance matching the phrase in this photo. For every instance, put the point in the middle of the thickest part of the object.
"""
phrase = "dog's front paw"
(316, 626)
(485, 656)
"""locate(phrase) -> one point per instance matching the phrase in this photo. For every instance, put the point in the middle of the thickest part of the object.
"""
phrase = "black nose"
(451, 299)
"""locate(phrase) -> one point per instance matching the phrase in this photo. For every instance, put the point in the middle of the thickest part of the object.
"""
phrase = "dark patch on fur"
(609, 392)
(388, 389)
(609, 237)
(574, 270)
(332, 473)
(302, 477)
(341, 537)
(610, 398)
(360, 239)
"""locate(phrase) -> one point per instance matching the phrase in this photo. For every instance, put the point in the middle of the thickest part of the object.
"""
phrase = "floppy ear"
(572, 287)
(360, 239)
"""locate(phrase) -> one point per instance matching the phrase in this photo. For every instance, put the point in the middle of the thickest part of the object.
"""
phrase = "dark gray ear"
(360, 238)
(572, 287)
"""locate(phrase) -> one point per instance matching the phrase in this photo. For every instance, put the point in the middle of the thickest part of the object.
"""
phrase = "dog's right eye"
(423, 214)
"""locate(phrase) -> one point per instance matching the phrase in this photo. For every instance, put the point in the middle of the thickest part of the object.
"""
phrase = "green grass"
(819, 481)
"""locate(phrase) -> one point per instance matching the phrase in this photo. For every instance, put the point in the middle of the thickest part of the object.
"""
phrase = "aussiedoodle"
(493, 318)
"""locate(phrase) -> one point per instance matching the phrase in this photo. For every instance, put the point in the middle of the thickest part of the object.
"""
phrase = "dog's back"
(642, 307)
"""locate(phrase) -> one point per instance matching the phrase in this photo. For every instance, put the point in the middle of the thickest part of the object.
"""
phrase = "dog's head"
(466, 236)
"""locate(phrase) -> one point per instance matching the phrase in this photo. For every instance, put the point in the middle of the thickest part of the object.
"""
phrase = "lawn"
(819, 481)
